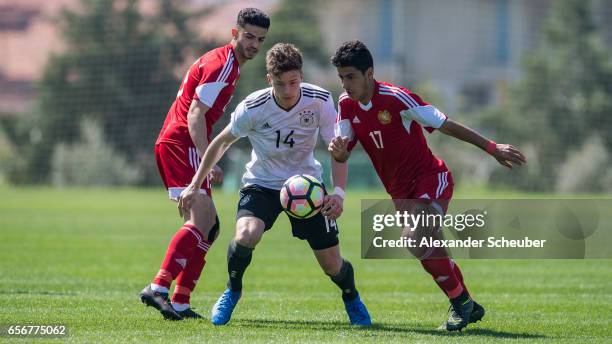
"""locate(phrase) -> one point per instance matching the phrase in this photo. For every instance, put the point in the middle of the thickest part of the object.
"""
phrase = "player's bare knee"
(248, 233)
(430, 219)
(427, 226)
(426, 209)
(246, 237)
(204, 215)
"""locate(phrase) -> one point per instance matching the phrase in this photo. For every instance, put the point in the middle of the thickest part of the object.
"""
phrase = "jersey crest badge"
(307, 119)
(384, 117)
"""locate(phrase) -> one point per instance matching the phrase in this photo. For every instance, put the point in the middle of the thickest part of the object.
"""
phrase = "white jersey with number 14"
(283, 141)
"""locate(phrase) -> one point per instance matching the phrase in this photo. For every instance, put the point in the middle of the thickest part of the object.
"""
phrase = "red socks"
(443, 272)
(188, 278)
(459, 275)
(184, 245)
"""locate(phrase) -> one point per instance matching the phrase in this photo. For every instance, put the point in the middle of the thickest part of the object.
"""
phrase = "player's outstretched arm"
(505, 154)
(213, 154)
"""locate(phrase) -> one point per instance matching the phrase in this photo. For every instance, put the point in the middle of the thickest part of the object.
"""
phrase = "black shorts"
(264, 204)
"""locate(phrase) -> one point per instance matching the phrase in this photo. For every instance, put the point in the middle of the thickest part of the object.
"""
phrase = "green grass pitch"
(80, 257)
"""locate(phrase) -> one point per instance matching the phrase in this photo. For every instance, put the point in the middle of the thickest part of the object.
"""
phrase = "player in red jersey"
(387, 120)
(201, 100)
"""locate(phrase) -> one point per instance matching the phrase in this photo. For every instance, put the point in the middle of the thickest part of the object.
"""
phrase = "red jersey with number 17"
(211, 80)
(390, 130)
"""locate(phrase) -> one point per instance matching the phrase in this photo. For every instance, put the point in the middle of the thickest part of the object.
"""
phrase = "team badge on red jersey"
(384, 117)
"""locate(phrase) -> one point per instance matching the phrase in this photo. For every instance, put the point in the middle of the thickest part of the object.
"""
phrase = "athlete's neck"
(369, 93)
(286, 104)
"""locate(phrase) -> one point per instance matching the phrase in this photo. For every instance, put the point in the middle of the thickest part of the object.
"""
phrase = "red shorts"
(435, 189)
(177, 164)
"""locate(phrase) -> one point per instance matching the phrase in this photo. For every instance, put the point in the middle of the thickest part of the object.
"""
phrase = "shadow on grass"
(380, 327)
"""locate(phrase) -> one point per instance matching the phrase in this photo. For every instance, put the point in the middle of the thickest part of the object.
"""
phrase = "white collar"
(366, 107)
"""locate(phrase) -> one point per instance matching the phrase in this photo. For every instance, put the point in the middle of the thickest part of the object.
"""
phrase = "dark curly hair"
(353, 54)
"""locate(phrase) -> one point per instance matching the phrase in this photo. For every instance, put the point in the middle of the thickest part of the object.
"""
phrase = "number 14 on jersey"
(288, 140)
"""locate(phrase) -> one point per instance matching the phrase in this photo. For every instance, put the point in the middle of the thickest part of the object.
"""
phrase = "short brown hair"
(283, 57)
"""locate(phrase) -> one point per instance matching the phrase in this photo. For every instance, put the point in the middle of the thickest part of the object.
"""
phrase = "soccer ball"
(302, 196)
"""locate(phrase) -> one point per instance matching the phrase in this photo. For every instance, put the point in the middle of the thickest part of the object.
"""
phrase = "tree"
(565, 96)
(118, 67)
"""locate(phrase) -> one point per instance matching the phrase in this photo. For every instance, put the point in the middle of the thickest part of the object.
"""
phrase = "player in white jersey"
(282, 123)
(283, 140)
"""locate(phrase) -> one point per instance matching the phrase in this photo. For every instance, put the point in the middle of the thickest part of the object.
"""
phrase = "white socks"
(158, 288)
(179, 307)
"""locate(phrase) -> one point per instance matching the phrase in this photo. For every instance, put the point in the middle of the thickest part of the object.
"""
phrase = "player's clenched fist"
(332, 206)
(216, 175)
(338, 147)
(338, 144)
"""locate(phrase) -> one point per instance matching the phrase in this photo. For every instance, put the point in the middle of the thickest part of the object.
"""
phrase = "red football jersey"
(210, 80)
(390, 130)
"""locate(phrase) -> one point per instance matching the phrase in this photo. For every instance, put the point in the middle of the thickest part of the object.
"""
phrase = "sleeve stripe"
(256, 100)
(316, 96)
(326, 95)
(409, 106)
(406, 96)
(320, 95)
(228, 71)
(222, 72)
(227, 68)
(407, 99)
(400, 93)
(308, 89)
(230, 65)
(259, 103)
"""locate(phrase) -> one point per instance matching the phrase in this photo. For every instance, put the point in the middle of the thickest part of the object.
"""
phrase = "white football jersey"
(283, 141)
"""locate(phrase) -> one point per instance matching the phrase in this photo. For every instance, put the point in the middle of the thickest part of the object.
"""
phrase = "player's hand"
(332, 206)
(508, 155)
(186, 200)
(216, 175)
(338, 146)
